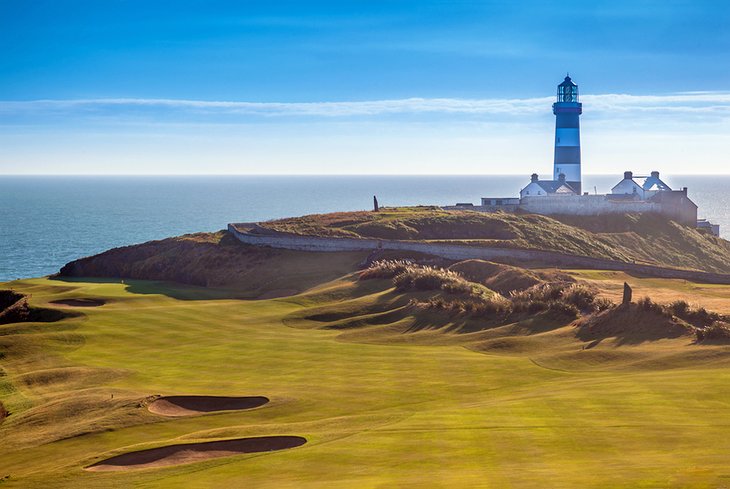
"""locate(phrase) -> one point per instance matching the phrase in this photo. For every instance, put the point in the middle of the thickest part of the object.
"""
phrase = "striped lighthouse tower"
(567, 112)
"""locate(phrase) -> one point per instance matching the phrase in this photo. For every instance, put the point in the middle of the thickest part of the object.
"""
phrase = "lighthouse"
(567, 112)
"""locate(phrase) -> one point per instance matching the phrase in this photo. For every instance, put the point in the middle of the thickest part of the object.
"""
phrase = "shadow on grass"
(630, 325)
(170, 289)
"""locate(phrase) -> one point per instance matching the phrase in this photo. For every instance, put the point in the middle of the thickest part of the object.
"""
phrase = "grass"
(436, 408)
(610, 285)
(643, 238)
(218, 260)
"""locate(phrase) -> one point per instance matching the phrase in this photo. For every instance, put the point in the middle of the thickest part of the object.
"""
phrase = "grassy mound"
(633, 323)
(717, 332)
(435, 298)
(502, 278)
(643, 238)
(217, 260)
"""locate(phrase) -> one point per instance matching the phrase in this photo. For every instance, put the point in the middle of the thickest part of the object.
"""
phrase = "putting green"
(373, 414)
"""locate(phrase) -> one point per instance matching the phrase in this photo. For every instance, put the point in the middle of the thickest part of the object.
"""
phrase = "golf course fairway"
(432, 409)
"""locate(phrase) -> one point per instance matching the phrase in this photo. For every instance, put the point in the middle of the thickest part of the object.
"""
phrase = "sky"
(359, 87)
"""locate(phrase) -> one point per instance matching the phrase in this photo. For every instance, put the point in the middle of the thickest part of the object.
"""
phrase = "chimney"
(628, 175)
(655, 174)
(561, 178)
(534, 177)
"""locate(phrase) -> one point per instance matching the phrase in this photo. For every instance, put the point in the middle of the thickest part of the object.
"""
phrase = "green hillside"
(644, 238)
(217, 260)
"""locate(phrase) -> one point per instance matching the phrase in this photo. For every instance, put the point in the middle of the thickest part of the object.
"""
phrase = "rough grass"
(501, 278)
(665, 291)
(717, 332)
(636, 323)
(561, 300)
(643, 238)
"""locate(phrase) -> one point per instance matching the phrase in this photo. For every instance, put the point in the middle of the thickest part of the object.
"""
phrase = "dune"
(195, 452)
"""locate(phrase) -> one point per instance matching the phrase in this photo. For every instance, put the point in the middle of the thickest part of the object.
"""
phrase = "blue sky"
(359, 87)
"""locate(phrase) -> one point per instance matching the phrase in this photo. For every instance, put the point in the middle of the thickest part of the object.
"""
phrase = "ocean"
(47, 221)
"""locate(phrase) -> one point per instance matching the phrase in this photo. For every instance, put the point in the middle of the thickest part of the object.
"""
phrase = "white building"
(639, 187)
(540, 188)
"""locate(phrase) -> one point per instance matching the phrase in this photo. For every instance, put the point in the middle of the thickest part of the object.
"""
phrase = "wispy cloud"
(711, 103)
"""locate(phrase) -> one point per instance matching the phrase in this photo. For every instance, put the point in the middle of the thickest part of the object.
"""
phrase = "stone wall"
(677, 208)
(462, 252)
(585, 205)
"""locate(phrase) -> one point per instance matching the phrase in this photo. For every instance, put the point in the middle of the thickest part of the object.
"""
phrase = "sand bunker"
(192, 405)
(79, 302)
(195, 452)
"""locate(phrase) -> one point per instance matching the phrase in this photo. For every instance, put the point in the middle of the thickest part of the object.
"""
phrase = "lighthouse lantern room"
(567, 112)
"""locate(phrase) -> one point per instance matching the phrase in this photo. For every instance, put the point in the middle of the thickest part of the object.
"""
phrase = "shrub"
(580, 296)
(541, 292)
(699, 317)
(649, 305)
(603, 304)
(385, 269)
(429, 278)
(420, 277)
(562, 310)
(492, 307)
(679, 308)
(718, 331)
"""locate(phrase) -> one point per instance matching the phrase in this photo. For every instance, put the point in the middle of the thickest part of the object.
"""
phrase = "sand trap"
(79, 302)
(192, 405)
(195, 452)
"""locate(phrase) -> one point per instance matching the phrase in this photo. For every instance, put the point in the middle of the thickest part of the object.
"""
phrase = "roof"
(552, 186)
(625, 180)
(654, 183)
(567, 83)
(651, 183)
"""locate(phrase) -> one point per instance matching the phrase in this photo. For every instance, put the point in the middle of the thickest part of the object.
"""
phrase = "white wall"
(628, 187)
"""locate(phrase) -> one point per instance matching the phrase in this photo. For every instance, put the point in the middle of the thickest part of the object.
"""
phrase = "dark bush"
(562, 310)
(719, 332)
(649, 305)
(385, 269)
(603, 304)
(580, 296)
(679, 308)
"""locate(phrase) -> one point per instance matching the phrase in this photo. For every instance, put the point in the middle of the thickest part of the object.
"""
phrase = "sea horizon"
(45, 225)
